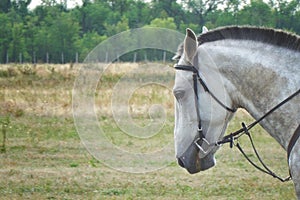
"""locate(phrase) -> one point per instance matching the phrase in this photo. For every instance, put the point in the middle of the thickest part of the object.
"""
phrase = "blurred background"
(63, 31)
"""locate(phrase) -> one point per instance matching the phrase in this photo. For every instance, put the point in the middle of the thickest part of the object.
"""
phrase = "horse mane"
(266, 35)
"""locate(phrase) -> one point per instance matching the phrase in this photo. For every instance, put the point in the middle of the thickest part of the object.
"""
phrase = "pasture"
(42, 156)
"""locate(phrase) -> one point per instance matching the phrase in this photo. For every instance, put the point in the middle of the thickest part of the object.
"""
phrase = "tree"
(119, 6)
(87, 43)
(163, 23)
(117, 28)
(296, 22)
(92, 16)
(201, 8)
(168, 8)
(257, 13)
(220, 18)
(5, 36)
(285, 12)
(52, 29)
(138, 14)
(21, 7)
(49, 3)
(63, 33)
(232, 9)
(30, 30)
(42, 43)
(46, 15)
(5, 6)
(17, 44)
(56, 36)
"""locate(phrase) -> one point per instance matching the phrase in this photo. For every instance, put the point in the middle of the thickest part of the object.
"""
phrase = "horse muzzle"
(191, 161)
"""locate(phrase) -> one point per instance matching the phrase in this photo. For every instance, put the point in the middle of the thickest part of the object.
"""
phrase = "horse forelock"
(265, 35)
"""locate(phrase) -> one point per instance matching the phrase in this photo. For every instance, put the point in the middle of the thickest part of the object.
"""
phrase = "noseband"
(202, 144)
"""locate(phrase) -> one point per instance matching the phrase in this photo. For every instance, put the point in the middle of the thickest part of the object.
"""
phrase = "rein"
(204, 146)
(245, 130)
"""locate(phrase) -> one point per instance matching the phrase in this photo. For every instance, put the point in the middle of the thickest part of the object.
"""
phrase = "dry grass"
(45, 159)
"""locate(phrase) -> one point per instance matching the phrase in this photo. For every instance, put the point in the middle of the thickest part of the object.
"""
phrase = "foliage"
(256, 13)
(5, 35)
(117, 28)
(87, 42)
(163, 23)
(53, 33)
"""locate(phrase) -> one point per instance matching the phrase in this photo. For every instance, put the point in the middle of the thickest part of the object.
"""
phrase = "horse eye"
(179, 94)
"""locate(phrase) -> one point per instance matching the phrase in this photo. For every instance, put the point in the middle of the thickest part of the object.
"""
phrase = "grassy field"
(42, 156)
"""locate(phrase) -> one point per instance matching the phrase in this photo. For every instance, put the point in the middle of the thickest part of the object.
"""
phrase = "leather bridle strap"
(186, 68)
(229, 137)
(293, 141)
(195, 88)
(203, 145)
(206, 89)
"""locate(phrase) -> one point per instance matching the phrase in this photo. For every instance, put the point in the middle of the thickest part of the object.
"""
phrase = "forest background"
(52, 33)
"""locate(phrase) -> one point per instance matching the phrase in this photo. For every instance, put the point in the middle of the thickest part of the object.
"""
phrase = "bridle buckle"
(204, 146)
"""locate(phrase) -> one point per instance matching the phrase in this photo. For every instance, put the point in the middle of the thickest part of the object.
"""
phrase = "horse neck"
(258, 78)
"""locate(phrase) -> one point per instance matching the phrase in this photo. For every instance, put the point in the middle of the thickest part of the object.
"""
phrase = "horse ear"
(204, 29)
(190, 45)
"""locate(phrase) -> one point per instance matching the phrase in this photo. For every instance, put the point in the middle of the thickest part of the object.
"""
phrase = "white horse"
(230, 68)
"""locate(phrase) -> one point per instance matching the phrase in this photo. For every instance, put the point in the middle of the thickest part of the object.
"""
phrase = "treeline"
(53, 33)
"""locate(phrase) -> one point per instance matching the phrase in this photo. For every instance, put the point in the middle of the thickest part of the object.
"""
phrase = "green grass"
(45, 159)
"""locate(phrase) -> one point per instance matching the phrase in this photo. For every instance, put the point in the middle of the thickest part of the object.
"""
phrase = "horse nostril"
(180, 162)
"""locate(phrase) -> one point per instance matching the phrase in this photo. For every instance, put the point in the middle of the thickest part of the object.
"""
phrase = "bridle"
(205, 147)
(200, 141)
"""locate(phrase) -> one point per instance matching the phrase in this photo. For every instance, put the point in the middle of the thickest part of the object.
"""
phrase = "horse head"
(200, 120)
